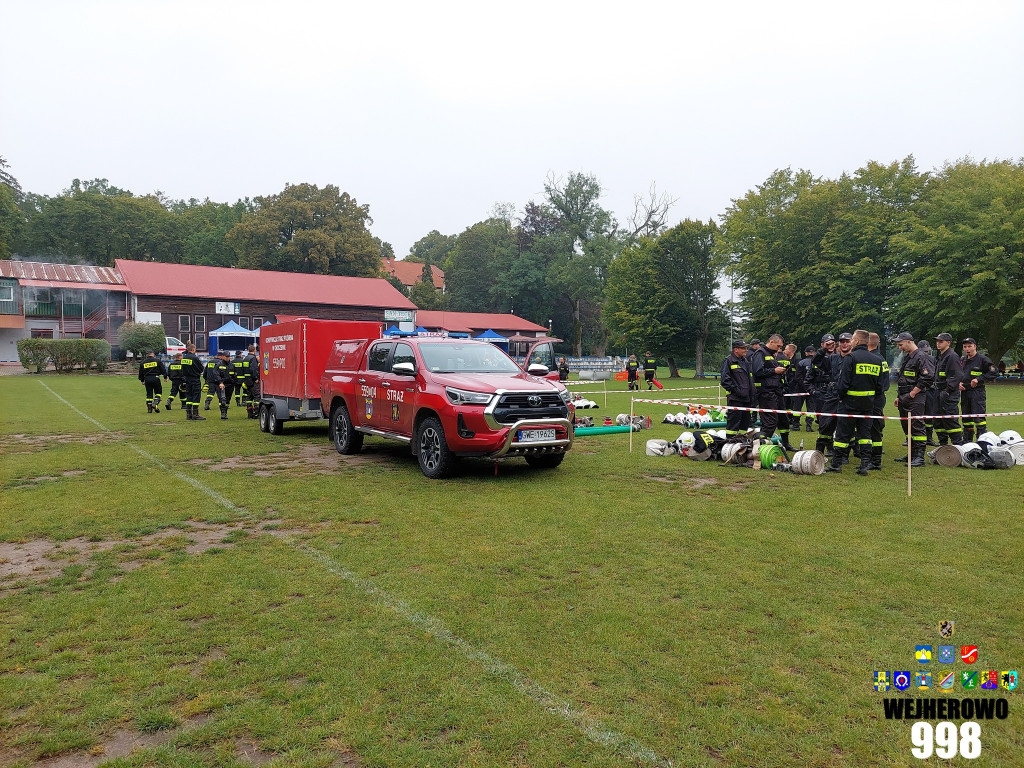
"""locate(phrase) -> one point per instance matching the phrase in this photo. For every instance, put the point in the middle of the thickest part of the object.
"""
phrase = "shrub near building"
(66, 354)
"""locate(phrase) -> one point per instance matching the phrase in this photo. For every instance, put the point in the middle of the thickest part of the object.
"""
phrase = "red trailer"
(293, 355)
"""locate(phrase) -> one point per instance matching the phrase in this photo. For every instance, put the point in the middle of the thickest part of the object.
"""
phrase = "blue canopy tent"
(394, 330)
(231, 336)
(495, 338)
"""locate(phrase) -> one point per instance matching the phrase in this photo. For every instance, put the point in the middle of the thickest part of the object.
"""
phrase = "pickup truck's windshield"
(460, 357)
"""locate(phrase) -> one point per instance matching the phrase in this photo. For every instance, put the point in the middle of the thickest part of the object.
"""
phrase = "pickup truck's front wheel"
(346, 439)
(436, 459)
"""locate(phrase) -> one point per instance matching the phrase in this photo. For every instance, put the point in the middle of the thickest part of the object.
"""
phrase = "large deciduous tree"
(964, 270)
(308, 229)
(662, 293)
(585, 243)
(814, 255)
(96, 223)
(474, 264)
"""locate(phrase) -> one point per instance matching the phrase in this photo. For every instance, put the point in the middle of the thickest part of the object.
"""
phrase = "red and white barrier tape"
(623, 392)
(838, 415)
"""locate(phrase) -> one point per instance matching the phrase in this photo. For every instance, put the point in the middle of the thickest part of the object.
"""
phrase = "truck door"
(372, 399)
(399, 391)
(543, 353)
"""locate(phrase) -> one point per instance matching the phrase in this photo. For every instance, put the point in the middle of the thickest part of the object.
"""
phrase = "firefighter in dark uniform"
(150, 371)
(632, 369)
(931, 400)
(825, 376)
(211, 380)
(177, 381)
(878, 408)
(192, 369)
(218, 378)
(859, 384)
(738, 382)
(250, 381)
(563, 370)
(978, 370)
(802, 383)
(768, 379)
(650, 369)
(949, 372)
(916, 377)
(237, 370)
(785, 359)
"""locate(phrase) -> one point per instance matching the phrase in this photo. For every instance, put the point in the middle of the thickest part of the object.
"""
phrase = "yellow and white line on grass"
(589, 726)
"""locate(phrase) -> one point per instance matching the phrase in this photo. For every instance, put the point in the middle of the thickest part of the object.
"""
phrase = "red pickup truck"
(447, 398)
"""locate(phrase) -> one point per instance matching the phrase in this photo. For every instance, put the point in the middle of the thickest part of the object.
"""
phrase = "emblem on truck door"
(369, 408)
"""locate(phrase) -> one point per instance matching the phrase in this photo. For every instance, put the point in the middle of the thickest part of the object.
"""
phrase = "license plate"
(535, 435)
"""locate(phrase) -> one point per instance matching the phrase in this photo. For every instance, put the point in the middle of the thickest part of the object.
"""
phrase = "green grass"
(395, 621)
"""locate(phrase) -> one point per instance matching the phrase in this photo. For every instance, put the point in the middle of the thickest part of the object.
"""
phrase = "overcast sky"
(432, 112)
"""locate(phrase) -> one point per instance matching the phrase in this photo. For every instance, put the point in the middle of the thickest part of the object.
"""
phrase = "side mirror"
(403, 369)
(536, 369)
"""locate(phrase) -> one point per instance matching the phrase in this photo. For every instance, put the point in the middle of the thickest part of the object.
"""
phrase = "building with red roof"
(57, 301)
(408, 273)
(71, 301)
(190, 300)
(511, 327)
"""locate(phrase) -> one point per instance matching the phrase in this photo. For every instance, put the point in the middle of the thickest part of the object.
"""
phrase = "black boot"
(876, 459)
(224, 412)
(943, 438)
(188, 413)
(206, 405)
(238, 402)
(836, 464)
(156, 404)
(809, 427)
(931, 440)
(149, 407)
(865, 460)
(819, 445)
(784, 441)
(195, 414)
(917, 455)
(968, 435)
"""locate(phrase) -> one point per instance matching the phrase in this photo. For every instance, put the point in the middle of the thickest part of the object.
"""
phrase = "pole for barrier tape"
(909, 462)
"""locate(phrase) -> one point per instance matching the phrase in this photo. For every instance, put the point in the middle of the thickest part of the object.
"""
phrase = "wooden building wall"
(253, 313)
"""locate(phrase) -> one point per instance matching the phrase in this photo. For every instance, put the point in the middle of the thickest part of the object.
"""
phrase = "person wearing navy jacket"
(738, 382)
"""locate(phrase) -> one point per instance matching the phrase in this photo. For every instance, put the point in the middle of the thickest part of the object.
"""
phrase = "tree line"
(887, 248)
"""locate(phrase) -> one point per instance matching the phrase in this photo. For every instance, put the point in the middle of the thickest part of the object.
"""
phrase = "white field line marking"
(150, 457)
(589, 726)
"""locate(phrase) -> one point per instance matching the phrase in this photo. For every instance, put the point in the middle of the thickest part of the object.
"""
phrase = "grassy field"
(219, 597)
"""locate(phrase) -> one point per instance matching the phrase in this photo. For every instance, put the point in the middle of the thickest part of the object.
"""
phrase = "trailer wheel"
(346, 439)
(264, 417)
(545, 460)
(274, 425)
(436, 459)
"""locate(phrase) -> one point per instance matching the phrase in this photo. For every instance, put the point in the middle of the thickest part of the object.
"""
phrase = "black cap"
(808, 349)
(739, 343)
(827, 337)
(943, 337)
(969, 340)
(905, 337)
(846, 337)
(754, 341)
